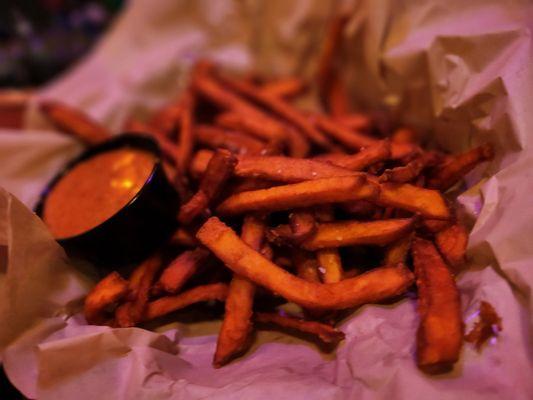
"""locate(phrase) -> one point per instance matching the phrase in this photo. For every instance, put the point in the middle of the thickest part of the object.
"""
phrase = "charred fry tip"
(168, 304)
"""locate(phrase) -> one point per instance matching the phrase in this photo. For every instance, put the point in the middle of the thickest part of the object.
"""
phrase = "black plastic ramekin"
(137, 229)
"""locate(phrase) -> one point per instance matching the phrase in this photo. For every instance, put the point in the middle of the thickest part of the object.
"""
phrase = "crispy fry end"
(440, 333)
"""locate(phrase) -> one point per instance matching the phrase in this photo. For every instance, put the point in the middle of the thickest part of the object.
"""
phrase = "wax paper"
(459, 71)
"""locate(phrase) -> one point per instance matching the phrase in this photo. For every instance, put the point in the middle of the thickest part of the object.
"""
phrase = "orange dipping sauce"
(95, 190)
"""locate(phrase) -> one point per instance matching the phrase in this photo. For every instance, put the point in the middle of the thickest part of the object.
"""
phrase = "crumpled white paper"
(460, 70)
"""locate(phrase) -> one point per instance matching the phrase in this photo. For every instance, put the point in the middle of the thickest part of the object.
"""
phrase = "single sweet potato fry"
(279, 107)
(376, 285)
(186, 132)
(237, 324)
(434, 225)
(330, 265)
(348, 233)
(238, 143)
(306, 265)
(412, 170)
(397, 252)
(338, 97)
(304, 194)
(181, 184)
(450, 172)
(350, 139)
(248, 184)
(352, 273)
(440, 333)
(123, 317)
(301, 226)
(131, 312)
(404, 135)
(297, 145)
(74, 122)
(403, 174)
(306, 268)
(181, 269)
(195, 207)
(275, 168)
(355, 121)
(199, 162)
(287, 88)
(401, 151)
(136, 126)
(372, 154)
(452, 243)
(328, 58)
(246, 121)
(253, 231)
(106, 292)
(326, 333)
(219, 170)
(288, 136)
(286, 169)
(429, 203)
(168, 304)
(329, 260)
(357, 141)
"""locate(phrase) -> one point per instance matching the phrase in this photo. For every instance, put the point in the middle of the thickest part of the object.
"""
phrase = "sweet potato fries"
(276, 200)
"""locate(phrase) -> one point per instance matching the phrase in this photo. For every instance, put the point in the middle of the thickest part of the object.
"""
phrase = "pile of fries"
(318, 208)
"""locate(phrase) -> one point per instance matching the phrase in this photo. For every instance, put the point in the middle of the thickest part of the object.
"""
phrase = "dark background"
(40, 38)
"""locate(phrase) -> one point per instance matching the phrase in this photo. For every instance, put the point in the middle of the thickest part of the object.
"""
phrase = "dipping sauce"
(96, 189)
